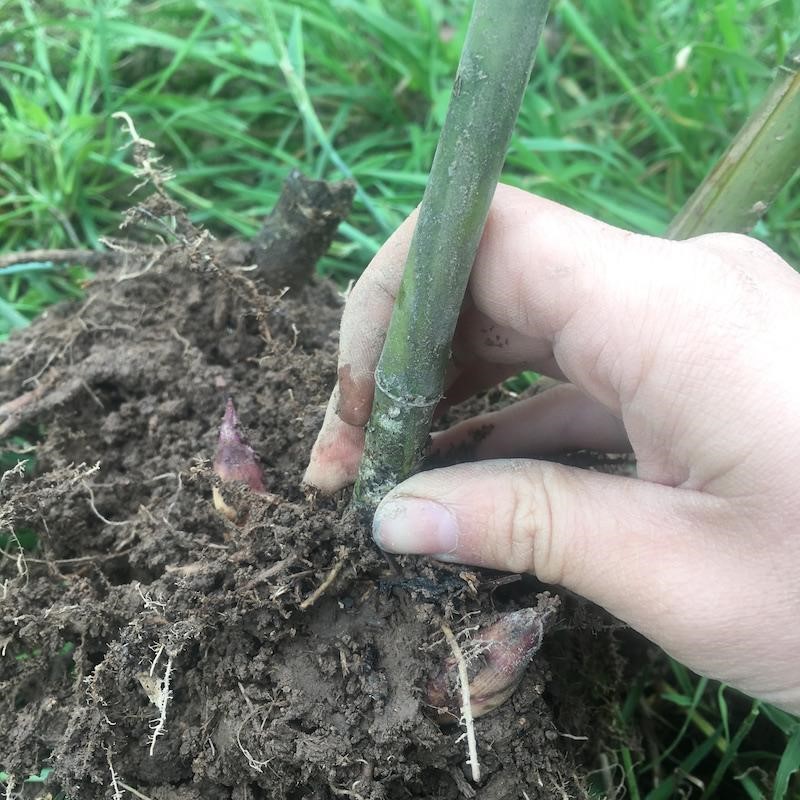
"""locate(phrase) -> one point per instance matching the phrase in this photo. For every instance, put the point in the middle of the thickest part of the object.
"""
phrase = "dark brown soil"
(273, 692)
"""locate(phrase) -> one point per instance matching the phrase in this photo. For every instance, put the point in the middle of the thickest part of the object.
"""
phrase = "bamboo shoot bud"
(497, 658)
(235, 461)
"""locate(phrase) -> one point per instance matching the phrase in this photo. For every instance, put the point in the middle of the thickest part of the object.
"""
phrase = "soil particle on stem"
(144, 621)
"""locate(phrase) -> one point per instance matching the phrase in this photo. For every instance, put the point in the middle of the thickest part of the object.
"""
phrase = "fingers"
(336, 452)
(491, 351)
(647, 553)
(558, 420)
(637, 323)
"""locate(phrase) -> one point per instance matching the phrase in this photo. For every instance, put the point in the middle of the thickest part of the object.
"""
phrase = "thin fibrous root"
(146, 168)
(252, 762)
(134, 792)
(329, 579)
(115, 786)
(345, 792)
(164, 695)
(466, 705)
(73, 255)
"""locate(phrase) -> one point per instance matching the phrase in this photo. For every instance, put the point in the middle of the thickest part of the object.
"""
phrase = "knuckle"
(733, 244)
(531, 535)
(738, 250)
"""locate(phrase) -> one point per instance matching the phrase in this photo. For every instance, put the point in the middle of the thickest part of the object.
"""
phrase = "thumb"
(648, 553)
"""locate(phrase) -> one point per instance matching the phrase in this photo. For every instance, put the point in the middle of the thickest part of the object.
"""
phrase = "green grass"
(612, 125)
(707, 739)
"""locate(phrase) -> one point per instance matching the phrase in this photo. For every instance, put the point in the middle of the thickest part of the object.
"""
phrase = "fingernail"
(414, 525)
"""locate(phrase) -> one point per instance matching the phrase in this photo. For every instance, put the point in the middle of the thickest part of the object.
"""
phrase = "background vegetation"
(630, 104)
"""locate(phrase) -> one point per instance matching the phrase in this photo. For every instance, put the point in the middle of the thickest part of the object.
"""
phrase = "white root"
(149, 603)
(134, 792)
(20, 563)
(466, 704)
(326, 584)
(146, 164)
(161, 701)
(117, 791)
(252, 762)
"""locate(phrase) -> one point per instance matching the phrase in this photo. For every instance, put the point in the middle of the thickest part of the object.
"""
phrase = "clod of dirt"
(149, 643)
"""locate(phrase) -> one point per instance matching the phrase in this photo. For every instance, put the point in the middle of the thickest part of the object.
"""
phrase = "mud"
(150, 644)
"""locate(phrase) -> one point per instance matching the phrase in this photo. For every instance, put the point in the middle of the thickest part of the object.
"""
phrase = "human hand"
(684, 352)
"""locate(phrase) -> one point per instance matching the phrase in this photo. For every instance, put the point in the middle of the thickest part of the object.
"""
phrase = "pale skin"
(684, 353)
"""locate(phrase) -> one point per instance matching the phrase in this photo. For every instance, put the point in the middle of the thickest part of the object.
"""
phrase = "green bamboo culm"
(763, 156)
(492, 75)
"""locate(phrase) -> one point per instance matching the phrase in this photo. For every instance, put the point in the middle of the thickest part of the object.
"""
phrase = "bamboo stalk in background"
(492, 75)
(763, 156)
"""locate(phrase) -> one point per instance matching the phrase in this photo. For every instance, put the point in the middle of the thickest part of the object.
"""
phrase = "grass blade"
(11, 316)
(789, 764)
(731, 751)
